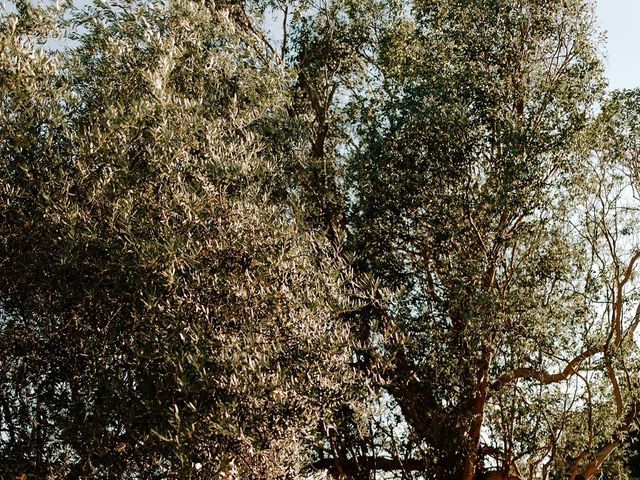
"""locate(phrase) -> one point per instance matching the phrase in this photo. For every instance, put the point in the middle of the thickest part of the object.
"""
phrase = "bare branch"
(544, 377)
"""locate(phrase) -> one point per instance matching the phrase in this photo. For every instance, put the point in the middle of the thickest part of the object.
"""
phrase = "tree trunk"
(479, 404)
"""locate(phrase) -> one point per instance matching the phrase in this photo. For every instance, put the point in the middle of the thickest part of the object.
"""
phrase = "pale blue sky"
(621, 20)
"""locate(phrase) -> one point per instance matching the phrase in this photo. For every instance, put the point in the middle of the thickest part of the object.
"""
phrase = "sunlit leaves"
(165, 311)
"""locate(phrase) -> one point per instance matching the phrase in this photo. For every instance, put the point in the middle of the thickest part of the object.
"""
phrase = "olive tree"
(166, 313)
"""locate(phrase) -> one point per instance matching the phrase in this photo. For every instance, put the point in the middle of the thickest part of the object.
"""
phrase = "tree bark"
(480, 402)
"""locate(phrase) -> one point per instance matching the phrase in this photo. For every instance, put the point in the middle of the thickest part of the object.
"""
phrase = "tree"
(165, 311)
(467, 184)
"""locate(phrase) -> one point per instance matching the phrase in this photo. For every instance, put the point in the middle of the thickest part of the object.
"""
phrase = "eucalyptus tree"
(610, 217)
(468, 183)
(165, 311)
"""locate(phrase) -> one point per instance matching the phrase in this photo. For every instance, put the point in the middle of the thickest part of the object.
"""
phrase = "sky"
(621, 20)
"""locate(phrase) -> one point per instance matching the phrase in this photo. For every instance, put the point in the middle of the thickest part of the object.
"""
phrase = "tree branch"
(598, 459)
(545, 378)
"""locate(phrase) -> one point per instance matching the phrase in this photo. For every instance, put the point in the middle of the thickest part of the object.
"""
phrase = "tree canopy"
(282, 239)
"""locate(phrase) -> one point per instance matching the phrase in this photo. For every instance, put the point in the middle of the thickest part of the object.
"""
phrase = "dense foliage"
(164, 309)
(279, 239)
